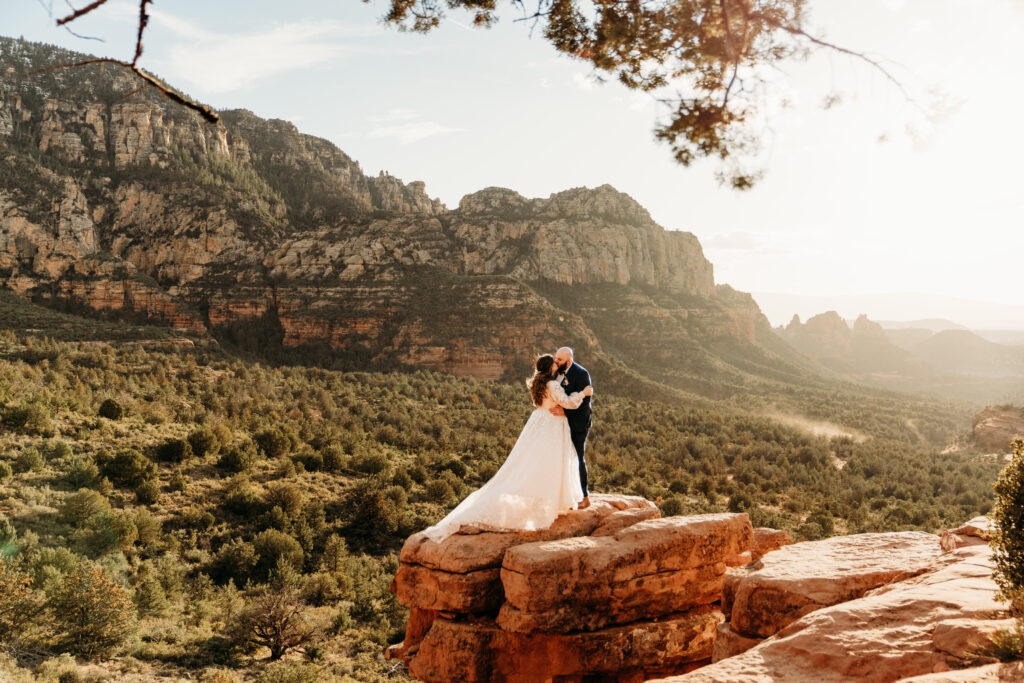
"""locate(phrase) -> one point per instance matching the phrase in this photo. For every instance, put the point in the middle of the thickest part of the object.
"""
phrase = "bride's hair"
(539, 382)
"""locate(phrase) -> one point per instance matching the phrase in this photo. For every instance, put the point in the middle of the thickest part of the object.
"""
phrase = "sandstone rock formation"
(765, 596)
(611, 591)
(919, 626)
(262, 235)
(996, 426)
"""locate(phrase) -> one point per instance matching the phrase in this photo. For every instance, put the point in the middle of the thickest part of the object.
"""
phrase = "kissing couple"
(545, 473)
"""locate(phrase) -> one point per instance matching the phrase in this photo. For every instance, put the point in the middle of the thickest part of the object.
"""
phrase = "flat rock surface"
(461, 553)
(883, 636)
(470, 651)
(796, 579)
(1010, 672)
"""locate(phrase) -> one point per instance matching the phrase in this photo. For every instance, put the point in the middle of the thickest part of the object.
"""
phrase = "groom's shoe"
(584, 504)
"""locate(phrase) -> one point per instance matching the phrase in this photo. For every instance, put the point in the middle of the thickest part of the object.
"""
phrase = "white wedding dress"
(539, 480)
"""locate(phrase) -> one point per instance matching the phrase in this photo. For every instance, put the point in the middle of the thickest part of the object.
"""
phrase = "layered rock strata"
(611, 592)
(765, 596)
(996, 427)
(924, 627)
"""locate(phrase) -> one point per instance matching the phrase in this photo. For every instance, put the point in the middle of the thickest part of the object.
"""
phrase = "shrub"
(129, 468)
(204, 441)
(678, 486)
(275, 620)
(111, 409)
(148, 492)
(5, 470)
(19, 604)
(311, 460)
(239, 458)
(174, 450)
(441, 492)
(235, 560)
(147, 526)
(274, 442)
(30, 460)
(60, 449)
(150, 598)
(333, 458)
(93, 614)
(1008, 536)
(83, 473)
(177, 482)
(670, 507)
(272, 545)
(33, 417)
(242, 497)
(286, 496)
(372, 517)
(81, 507)
(741, 502)
(372, 463)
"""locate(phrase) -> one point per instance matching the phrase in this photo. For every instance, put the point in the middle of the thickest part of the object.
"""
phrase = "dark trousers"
(579, 442)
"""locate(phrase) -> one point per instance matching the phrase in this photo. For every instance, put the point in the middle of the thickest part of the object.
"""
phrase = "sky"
(877, 204)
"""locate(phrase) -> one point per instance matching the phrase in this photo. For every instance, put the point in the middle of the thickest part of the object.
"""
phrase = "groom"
(576, 378)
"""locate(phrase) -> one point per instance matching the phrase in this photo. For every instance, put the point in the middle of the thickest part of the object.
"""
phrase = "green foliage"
(274, 442)
(30, 460)
(1006, 644)
(174, 450)
(150, 598)
(235, 560)
(83, 506)
(670, 507)
(19, 603)
(148, 491)
(129, 468)
(33, 417)
(5, 470)
(204, 442)
(272, 546)
(1008, 536)
(239, 458)
(83, 473)
(372, 517)
(110, 409)
(93, 614)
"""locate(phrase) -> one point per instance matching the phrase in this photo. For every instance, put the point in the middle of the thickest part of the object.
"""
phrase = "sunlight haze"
(875, 195)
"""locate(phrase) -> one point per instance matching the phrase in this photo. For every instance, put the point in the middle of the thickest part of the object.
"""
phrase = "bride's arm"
(571, 401)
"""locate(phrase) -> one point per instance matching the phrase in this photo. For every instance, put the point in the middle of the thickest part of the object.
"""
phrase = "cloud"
(408, 133)
(221, 63)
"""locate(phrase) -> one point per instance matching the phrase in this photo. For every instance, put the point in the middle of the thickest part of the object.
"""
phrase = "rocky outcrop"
(996, 427)
(768, 595)
(272, 239)
(935, 620)
(611, 591)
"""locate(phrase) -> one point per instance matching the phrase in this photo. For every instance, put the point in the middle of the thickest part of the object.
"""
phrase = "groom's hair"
(567, 348)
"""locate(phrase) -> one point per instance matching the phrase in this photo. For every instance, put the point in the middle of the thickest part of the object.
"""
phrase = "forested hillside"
(181, 495)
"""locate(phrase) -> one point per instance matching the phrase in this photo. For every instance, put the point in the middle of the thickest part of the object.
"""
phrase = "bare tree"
(275, 620)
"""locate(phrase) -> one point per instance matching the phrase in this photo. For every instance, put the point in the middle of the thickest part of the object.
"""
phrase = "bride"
(539, 479)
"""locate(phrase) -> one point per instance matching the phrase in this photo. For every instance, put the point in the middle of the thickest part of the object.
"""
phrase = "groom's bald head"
(563, 357)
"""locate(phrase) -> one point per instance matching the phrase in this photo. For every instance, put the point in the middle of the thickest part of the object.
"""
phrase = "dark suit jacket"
(576, 379)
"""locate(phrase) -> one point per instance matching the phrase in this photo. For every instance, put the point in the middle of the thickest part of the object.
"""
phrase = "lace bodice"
(556, 395)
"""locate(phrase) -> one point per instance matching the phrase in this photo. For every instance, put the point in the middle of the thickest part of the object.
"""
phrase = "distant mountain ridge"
(274, 241)
(953, 360)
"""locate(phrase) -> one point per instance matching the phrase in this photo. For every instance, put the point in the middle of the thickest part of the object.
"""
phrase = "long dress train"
(539, 479)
